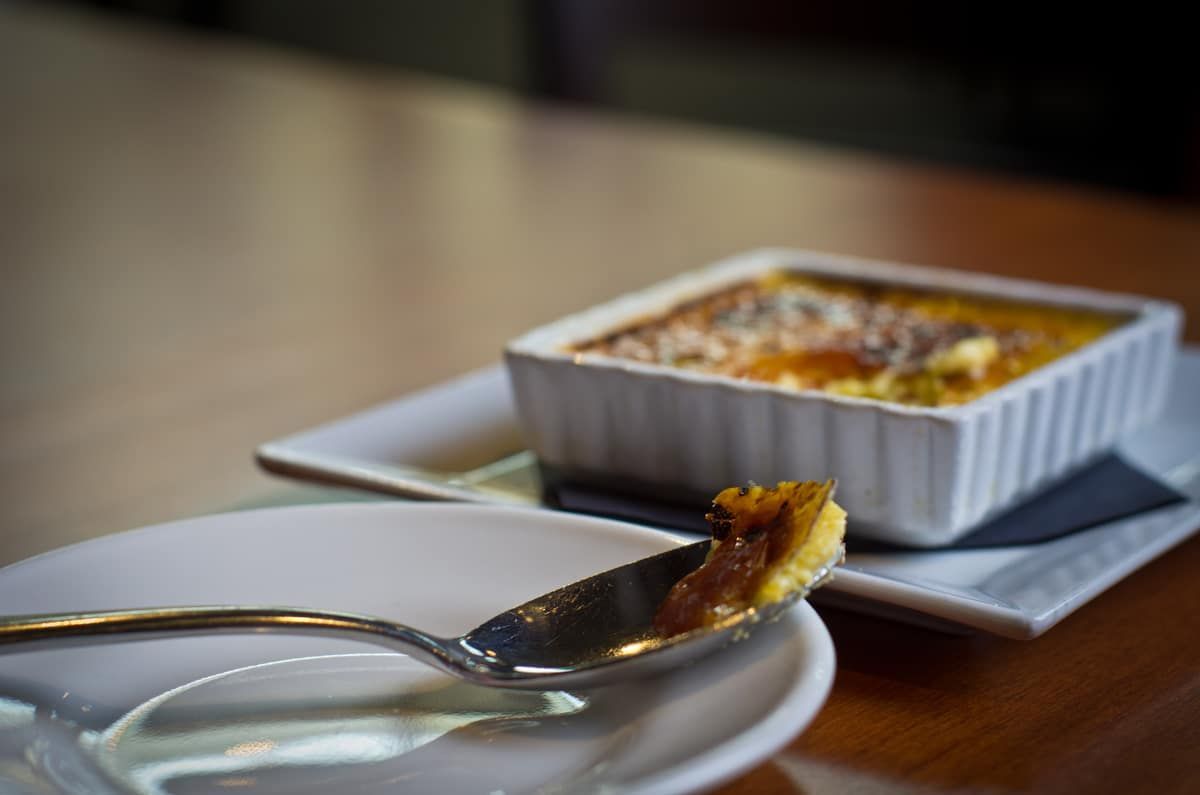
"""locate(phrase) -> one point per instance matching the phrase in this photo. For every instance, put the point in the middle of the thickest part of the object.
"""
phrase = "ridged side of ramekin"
(910, 475)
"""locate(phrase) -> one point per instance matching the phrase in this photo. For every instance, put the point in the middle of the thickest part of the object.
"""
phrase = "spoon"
(593, 632)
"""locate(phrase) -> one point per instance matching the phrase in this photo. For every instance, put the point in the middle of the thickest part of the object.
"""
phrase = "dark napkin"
(1104, 491)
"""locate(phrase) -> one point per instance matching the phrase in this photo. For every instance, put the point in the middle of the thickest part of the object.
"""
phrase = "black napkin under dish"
(1104, 491)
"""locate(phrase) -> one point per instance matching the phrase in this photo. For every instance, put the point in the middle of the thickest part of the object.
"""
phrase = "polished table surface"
(206, 245)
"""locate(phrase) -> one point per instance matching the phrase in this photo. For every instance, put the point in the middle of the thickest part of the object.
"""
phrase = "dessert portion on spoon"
(769, 545)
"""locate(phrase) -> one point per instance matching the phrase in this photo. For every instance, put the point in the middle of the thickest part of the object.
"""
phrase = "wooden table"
(206, 245)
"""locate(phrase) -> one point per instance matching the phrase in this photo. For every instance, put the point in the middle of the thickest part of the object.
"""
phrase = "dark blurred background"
(1071, 92)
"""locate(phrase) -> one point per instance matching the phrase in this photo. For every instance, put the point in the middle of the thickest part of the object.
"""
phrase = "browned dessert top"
(858, 339)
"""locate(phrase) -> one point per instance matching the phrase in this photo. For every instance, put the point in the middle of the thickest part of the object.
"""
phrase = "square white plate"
(460, 441)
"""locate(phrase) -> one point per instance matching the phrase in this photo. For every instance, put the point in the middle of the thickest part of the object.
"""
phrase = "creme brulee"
(901, 345)
(768, 544)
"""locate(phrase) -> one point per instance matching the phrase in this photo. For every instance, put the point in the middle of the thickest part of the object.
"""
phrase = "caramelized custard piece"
(766, 544)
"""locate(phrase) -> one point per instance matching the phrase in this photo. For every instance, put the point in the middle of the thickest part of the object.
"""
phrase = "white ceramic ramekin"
(911, 475)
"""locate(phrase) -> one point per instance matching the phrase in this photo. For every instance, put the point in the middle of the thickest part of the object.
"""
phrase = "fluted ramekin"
(910, 475)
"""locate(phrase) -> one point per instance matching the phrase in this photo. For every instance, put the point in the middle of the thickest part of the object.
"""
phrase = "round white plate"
(258, 713)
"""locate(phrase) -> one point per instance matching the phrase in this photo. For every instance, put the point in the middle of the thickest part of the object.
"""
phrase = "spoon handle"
(21, 633)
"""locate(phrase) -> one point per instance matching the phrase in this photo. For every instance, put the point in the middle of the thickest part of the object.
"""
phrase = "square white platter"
(460, 441)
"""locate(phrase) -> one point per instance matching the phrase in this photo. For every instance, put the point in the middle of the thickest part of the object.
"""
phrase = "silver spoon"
(596, 631)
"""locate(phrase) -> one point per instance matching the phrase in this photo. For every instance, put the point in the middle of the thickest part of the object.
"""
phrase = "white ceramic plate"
(268, 714)
(460, 441)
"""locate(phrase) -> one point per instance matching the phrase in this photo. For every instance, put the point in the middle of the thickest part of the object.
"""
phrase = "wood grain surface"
(206, 245)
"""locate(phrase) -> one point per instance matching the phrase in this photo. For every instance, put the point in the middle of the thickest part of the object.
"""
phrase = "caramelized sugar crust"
(902, 345)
